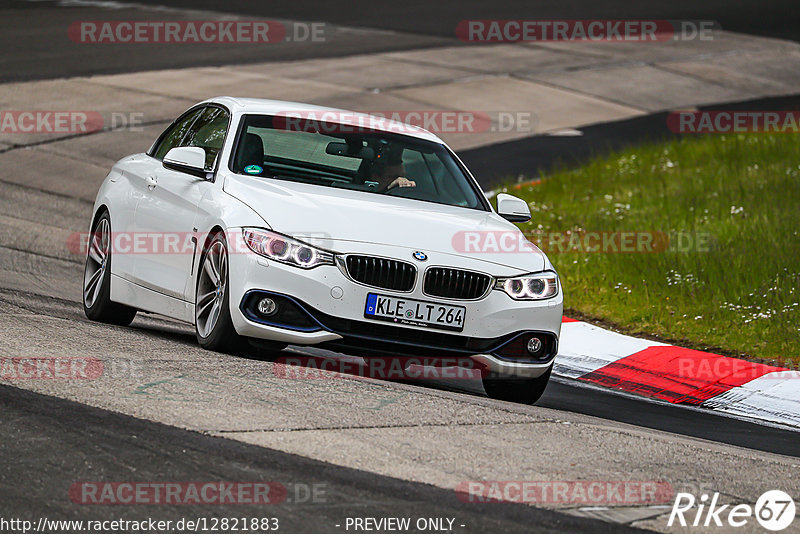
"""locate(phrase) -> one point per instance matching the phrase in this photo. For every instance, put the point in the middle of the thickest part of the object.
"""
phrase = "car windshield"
(332, 155)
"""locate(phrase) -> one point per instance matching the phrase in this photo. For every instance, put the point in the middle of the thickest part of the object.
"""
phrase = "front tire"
(213, 324)
(97, 303)
(515, 389)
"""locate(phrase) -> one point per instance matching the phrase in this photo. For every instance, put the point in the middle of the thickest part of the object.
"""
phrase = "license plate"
(415, 312)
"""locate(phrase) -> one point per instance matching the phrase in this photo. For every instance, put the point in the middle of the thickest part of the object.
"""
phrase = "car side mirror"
(188, 159)
(512, 208)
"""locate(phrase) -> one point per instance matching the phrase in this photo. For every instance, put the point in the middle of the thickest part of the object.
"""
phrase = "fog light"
(267, 307)
(534, 345)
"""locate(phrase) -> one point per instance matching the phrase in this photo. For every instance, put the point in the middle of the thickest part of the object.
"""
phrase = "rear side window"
(205, 128)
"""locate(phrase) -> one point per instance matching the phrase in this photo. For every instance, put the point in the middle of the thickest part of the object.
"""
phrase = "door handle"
(151, 182)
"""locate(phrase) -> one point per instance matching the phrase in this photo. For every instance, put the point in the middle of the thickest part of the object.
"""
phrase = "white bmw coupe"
(296, 224)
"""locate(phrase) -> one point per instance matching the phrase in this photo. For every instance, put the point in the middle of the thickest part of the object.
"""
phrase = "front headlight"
(285, 249)
(530, 287)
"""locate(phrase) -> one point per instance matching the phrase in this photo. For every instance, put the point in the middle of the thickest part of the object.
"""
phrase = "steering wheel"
(400, 191)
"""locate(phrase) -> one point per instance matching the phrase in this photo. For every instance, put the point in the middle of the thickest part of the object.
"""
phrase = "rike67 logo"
(774, 511)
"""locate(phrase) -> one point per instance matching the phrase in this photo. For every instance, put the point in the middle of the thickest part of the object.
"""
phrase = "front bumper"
(335, 304)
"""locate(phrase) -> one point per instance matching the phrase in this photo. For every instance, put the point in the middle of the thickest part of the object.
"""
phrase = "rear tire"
(213, 324)
(515, 389)
(97, 303)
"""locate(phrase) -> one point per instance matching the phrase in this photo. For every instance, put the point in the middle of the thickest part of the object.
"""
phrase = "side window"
(208, 132)
(205, 128)
(175, 135)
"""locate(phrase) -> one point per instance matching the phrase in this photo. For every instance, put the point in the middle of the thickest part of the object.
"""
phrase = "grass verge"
(721, 216)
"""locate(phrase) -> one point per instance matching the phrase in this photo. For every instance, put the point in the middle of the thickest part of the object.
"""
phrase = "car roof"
(312, 112)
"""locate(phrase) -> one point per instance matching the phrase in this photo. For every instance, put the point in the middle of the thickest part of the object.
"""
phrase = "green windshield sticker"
(253, 169)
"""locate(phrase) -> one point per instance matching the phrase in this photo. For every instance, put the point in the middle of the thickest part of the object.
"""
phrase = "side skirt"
(141, 298)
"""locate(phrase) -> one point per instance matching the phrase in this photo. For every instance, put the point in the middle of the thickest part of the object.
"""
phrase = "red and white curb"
(678, 375)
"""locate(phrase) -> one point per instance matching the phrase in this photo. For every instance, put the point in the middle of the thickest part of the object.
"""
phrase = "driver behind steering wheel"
(389, 174)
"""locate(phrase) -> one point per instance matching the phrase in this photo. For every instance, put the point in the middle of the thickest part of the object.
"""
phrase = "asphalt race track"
(40, 49)
(94, 443)
(165, 410)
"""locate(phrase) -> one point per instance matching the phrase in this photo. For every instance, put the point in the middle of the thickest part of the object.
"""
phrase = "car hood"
(332, 218)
